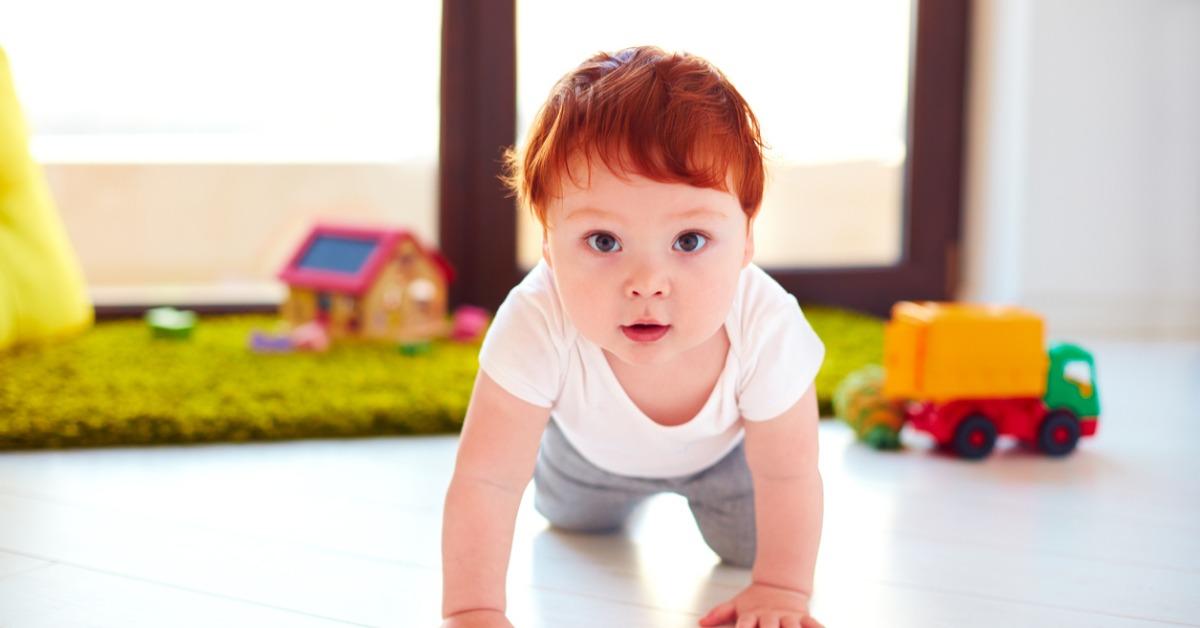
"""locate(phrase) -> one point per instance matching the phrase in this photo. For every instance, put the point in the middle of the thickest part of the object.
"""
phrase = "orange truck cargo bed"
(946, 351)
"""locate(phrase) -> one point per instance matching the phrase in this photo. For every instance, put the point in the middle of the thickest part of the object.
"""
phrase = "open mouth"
(645, 333)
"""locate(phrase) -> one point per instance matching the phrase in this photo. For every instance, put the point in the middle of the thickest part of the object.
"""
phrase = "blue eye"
(603, 243)
(690, 242)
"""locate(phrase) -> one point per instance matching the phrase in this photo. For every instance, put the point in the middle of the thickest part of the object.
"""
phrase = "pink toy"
(310, 337)
(469, 323)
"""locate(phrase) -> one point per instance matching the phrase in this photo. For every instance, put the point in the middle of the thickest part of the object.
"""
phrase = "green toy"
(416, 348)
(168, 322)
(859, 401)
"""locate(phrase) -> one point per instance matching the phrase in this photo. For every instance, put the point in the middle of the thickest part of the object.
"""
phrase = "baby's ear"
(546, 250)
(749, 254)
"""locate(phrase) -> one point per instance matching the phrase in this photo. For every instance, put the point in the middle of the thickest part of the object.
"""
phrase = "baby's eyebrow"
(698, 212)
(584, 212)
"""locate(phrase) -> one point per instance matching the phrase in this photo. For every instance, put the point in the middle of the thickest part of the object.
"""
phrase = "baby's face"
(633, 251)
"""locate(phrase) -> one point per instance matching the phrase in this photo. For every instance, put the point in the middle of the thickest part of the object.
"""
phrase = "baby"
(644, 353)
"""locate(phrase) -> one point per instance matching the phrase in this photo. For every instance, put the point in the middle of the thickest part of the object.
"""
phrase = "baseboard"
(224, 298)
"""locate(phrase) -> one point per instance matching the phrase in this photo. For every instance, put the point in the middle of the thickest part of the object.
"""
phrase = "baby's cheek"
(587, 308)
(714, 300)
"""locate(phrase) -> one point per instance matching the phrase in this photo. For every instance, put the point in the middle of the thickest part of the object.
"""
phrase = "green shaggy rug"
(117, 385)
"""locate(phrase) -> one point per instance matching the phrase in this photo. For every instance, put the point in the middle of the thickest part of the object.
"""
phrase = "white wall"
(1083, 169)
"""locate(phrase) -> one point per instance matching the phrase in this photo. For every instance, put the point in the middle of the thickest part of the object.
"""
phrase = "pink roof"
(380, 242)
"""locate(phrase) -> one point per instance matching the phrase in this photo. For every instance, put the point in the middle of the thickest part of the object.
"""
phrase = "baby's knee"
(737, 554)
(574, 519)
(729, 530)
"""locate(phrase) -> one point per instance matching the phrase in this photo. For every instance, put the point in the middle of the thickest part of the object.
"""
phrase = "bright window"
(189, 146)
(227, 79)
(828, 81)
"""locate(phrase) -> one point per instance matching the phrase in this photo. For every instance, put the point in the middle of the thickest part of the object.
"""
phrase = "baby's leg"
(573, 494)
(722, 501)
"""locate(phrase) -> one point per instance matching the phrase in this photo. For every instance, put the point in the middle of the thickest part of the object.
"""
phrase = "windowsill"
(267, 293)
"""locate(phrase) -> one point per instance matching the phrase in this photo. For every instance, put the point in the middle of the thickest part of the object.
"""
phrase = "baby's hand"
(486, 618)
(763, 605)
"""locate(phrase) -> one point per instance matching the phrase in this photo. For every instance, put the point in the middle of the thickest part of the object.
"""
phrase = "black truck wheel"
(1058, 433)
(975, 437)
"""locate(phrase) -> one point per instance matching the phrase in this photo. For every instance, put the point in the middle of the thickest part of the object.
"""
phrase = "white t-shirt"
(534, 352)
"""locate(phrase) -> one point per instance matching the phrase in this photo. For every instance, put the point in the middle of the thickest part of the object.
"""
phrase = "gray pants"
(573, 494)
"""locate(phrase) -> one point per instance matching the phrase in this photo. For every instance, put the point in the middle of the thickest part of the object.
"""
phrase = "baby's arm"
(788, 505)
(788, 495)
(496, 456)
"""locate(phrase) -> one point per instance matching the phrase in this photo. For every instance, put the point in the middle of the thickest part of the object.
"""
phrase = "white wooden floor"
(346, 532)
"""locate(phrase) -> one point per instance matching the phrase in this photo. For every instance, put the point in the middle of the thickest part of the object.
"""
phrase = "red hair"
(672, 118)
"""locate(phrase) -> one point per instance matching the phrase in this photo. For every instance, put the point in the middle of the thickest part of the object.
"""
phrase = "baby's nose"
(649, 283)
(640, 293)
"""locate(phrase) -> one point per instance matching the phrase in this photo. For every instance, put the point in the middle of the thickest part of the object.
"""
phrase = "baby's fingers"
(809, 622)
(750, 620)
(721, 614)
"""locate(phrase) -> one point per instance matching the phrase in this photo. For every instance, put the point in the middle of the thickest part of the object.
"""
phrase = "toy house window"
(338, 255)
(422, 292)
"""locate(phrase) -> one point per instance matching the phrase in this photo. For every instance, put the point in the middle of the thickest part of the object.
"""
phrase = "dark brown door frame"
(478, 221)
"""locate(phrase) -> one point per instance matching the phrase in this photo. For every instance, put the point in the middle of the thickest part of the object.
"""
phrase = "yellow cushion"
(42, 291)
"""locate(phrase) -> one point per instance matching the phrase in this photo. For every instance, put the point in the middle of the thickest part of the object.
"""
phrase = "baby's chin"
(663, 352)
(631, 353)
(643, 356)
(667, 350)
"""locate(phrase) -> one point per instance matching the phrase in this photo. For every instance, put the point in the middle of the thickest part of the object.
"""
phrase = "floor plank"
(13, 564)
(62, 595)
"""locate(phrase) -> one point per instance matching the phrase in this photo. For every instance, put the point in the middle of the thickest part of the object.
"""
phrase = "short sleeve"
(522, 350)
(780, 360)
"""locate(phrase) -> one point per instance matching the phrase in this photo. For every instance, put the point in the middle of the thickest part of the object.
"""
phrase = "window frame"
(478, 226)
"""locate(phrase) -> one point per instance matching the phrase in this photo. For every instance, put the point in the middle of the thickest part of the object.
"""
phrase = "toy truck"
(968, 373)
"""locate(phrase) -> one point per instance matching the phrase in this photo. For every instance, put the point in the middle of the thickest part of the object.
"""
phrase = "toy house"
(380, 284)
